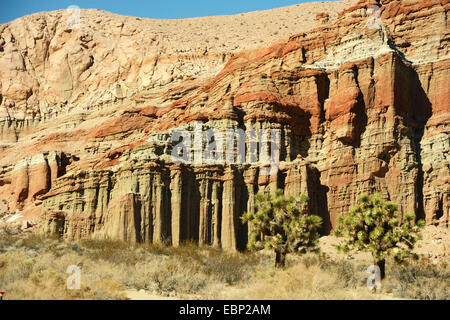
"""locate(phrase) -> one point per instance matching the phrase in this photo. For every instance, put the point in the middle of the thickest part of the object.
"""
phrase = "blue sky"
(162, 9)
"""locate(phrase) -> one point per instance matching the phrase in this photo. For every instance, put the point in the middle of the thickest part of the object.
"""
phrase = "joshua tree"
(281, 223)
(375, 226)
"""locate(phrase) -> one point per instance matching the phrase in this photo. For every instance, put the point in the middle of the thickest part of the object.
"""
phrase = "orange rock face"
(360, 107)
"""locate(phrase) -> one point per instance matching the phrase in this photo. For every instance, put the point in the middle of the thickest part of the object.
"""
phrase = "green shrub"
(376, 226)
(282, 224)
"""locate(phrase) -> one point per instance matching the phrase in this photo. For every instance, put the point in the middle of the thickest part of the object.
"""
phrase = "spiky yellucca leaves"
(281, 223)
(375, 226)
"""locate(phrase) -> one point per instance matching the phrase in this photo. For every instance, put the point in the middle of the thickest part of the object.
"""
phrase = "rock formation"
(360, 107)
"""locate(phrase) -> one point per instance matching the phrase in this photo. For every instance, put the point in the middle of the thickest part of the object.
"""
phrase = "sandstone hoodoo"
(88, 117)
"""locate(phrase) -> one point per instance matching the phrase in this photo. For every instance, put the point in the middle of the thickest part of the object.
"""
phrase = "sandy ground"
(132, 294)
(435, 245)
(145, 295)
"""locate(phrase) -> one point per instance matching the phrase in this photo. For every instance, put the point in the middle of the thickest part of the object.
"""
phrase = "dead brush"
(32, 267)
(419, 280)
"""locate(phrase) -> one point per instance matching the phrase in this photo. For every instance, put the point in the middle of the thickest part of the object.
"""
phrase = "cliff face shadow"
(318, 200)
(417, 116)
(190, 207)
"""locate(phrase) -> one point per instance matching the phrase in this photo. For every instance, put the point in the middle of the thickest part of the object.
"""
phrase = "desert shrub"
(172, 276)
(40, 277)
(8, 229)
(112, 251)
(190, 269)
(229, 268)
(348, 274)
(108, 289)
(419, 281)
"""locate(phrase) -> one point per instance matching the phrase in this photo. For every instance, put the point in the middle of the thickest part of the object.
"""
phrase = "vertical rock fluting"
(52, 224)
(33, 176)
(433, 141)
(154, 204)
(177, 197)
(377, 153)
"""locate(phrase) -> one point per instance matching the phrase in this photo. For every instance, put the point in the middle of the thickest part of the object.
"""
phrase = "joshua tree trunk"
(280, 259)
(381, 264)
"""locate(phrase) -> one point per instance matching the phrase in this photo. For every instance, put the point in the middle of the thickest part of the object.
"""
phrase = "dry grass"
(310, 277)
(422, 281)
(320, 277)
(35, 268)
